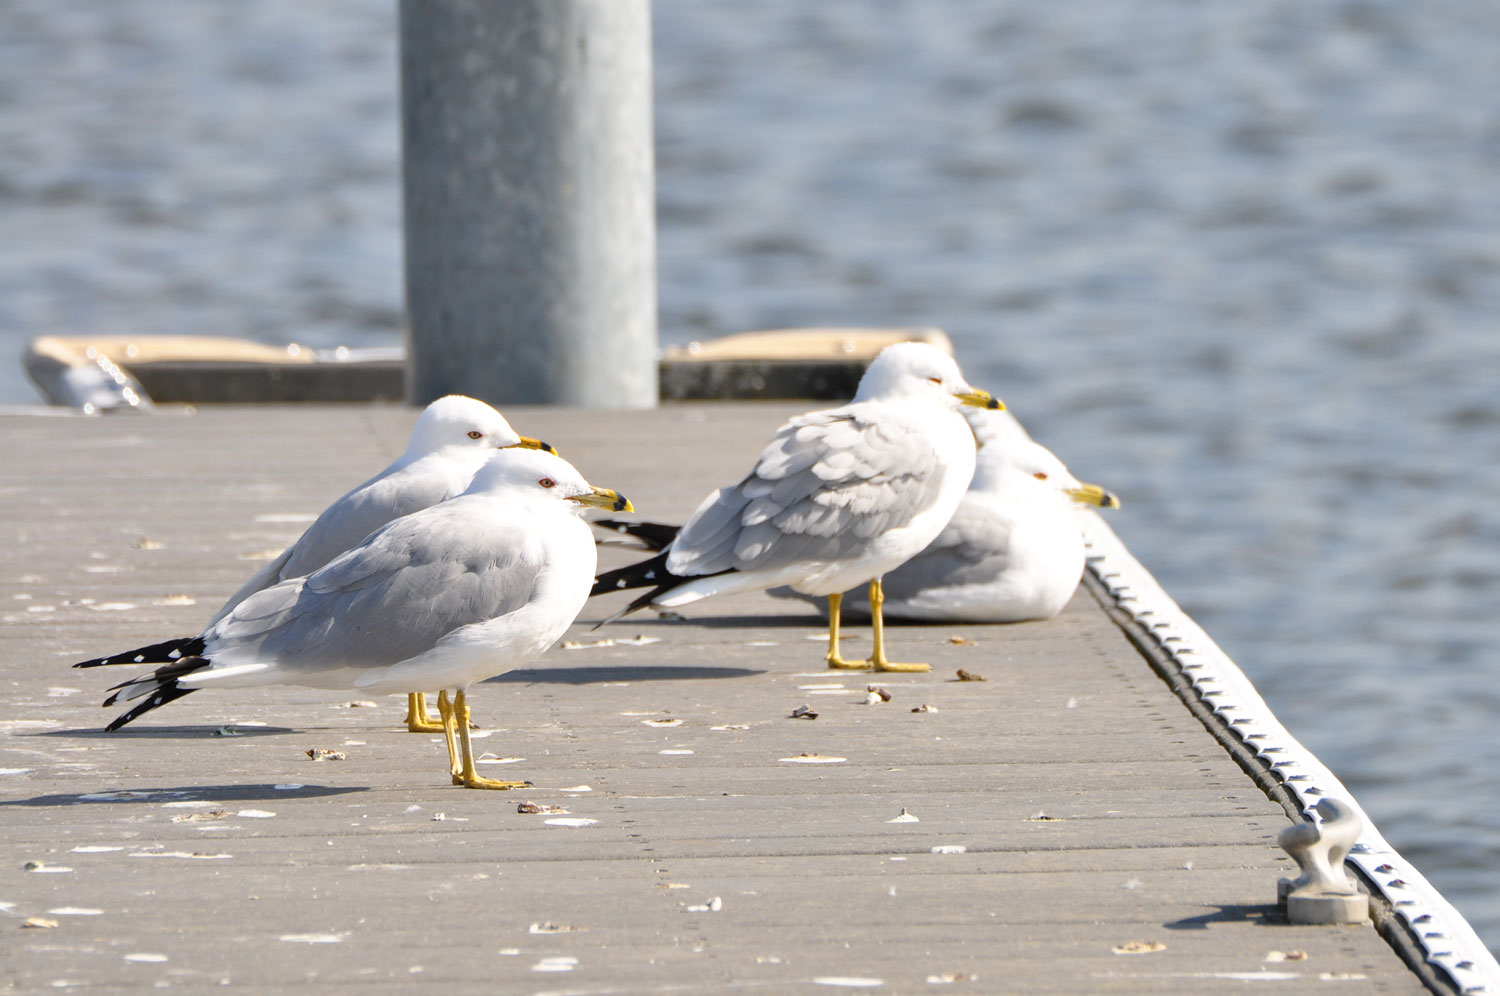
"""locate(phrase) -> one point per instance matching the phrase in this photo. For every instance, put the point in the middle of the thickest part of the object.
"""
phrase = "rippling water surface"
(1238, 262)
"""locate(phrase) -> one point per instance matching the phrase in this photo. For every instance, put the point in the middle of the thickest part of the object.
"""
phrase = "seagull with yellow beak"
(838, 498)
(441, 598)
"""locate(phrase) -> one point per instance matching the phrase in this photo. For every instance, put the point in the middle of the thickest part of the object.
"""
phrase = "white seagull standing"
(838, 498)
(1014, 548)
(452, 439)
(441, 598)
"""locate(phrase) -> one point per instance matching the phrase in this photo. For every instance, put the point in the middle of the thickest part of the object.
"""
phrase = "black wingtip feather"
(164, 694)
(157, 653)
(155, 689)
(645, 574)
(652, 535)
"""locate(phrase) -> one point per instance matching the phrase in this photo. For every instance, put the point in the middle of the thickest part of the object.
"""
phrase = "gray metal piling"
(528, 180)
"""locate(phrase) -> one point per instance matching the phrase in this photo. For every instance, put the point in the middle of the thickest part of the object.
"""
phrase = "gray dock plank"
(1093, 810)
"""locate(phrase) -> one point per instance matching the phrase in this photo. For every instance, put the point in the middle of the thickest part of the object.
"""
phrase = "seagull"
(452, 439)
(839, 497)
(1013, 550)
(441, 598)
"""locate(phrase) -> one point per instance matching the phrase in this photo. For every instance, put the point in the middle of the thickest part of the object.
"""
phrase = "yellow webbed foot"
(475, 781)
(884, 665)
(463, 772)
(417, 720)
(877, 624)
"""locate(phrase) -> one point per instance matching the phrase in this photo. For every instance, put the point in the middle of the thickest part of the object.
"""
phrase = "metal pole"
(530, 201)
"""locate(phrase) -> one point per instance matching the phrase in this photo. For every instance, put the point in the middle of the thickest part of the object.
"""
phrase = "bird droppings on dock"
(848, 982)
(532, 808)
(813, 759)
(904, 817)
(1278, 956)
(586, 644)
(1138, 947)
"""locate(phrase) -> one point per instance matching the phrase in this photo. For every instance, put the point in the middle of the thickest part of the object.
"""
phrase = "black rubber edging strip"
(1391, 927)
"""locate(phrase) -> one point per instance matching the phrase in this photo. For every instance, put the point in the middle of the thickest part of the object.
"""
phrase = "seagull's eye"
(547, 482)
(475, 434)
(936, 380)
(1040, 475)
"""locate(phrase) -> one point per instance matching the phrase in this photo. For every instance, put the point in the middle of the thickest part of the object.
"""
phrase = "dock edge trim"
(1292, 775)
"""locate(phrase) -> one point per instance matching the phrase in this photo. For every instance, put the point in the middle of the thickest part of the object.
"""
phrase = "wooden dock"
(1064, 826)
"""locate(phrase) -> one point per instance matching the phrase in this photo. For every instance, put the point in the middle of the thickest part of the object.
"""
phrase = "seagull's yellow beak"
(1093, 494)
(604, 498)
(527, 443)
(980, 399)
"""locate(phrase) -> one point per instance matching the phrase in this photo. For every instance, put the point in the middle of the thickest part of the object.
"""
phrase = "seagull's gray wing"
(268, 575)
(395, 596)
(827, 483)
(344, 524)
(972, 549)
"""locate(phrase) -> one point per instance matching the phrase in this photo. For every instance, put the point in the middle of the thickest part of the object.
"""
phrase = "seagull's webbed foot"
(464, 773)
(833, 658)
(877, 621)
(881, 664)
(417, 720)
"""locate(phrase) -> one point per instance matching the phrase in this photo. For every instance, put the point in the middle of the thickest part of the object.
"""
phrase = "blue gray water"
(1238, 262)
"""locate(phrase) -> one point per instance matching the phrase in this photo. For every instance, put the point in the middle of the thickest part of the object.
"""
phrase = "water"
(1236, 262)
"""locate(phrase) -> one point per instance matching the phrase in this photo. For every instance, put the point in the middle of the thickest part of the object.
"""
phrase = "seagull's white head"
(1016, 458)
(917, 370)
(464, 423)
(535, 475)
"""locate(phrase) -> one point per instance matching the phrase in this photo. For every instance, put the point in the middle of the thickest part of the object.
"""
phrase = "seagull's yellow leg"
(417, 720)
(468, 777)
(877, 621)
(450, 735)
(834, 660)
